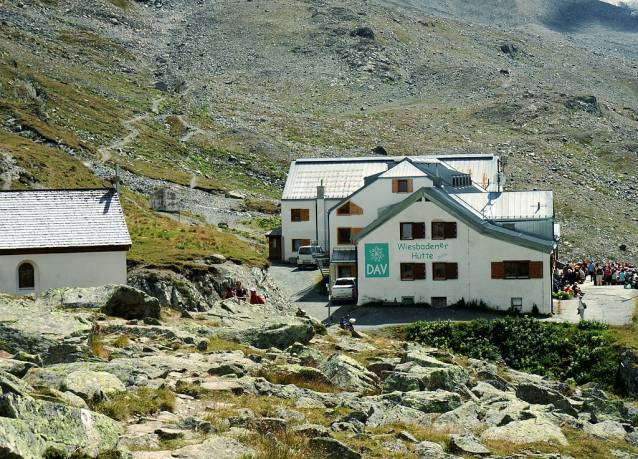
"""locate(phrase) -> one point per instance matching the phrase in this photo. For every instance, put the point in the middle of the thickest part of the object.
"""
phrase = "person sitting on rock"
(254, 298)
(230, 293)
(240, 292)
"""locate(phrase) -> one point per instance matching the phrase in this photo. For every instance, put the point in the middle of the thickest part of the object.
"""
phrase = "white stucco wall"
(472, 251)
(313, 229)
(64, 270)
(377, 195)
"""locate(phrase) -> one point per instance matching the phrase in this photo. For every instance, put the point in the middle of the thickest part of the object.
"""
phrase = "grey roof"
(513, 205)
(61, 220)
(464, 213)
(341, 177)
(274, 232)
(481, 167)
(344, 256)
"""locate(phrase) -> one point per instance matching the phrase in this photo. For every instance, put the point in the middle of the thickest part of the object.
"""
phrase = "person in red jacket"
(254, 298)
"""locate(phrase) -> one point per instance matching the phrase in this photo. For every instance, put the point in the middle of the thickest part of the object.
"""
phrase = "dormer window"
(402, 186)
(349, 208)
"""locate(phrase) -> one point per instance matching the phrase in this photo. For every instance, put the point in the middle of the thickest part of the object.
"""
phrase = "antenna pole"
(117, 180)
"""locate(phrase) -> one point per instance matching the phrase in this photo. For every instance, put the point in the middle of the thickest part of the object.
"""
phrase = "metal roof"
(464, 213)
(404, 169)
(515, 205)
(341, 177)
(54, 220)
(344, 256)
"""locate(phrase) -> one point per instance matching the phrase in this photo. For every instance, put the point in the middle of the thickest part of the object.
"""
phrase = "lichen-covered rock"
(16, 367)
(384, 413)
(33, 328)
(93, 385)
(333, 448)
(215, 446)
(439, 401)
(348, 374)
(306, 354)
(464, 418)
(311, 430)
(540, 395)
(468, 443)
(447, 377)
(605, 409)
(301, 373)
(530, 431)
(502, 413)
(45, 423)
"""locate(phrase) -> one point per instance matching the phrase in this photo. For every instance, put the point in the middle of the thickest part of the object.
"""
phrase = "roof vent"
(437, 181)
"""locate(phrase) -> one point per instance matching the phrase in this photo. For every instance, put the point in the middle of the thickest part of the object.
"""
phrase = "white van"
(305, 256)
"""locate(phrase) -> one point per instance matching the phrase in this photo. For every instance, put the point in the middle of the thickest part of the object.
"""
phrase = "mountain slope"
(226, 93)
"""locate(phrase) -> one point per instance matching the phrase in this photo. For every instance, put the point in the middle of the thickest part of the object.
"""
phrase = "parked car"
(344, 289)
(305, 258)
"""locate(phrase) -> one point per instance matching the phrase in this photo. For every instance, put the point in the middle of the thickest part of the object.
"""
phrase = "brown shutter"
(395, 185)
(305, 215)
(355, 209)
(354, 231)
(305, 242)
(535, 269)
(409, 185)
(418, 271)
(418, 230)
(451, 270)
(450, 230)
(498, 270)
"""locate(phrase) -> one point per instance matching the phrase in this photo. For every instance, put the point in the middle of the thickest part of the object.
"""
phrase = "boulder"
(422, 358)
(113, 300)
(16, 367)
(487, 393)
(92, 385)
(29, 426)
(466, 417)
(332, 448)
(34, 328)
(447, 377)
(311, 430)
(469, 444)
(306, 354)
(431, 450)
(541, 395)
(301, 373)
(439, 401)
(605, 409)
(502, 413)
(215, 446)
(609, 429)
(348, 374)
(384, 413)
(265, 334)
(523, 432)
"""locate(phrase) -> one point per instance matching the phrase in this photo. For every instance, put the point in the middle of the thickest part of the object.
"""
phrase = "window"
(412, 230)
(517, 269)
(444, 271)
(26, 276)
(443, 230)
(296, 243)
(438, 302)
(402, 186)
(299, 215)
(516, 304)
(349, 208)
(346, 271)
(412, 271)
(345, 234)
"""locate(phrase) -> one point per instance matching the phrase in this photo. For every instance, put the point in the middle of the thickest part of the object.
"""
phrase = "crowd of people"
(240, 293)
(574, 273)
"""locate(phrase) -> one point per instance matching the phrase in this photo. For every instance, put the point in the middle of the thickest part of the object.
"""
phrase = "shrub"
(583, 352)
(561, 295)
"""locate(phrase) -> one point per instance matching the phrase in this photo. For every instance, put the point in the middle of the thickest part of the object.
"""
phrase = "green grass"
(160, 241)
(142, 402)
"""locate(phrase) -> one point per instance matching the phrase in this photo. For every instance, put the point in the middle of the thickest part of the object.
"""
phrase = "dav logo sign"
(377, 260)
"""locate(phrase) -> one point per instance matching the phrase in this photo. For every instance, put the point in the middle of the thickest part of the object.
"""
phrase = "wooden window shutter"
(535, 269)
(305, 242)
(395, 185)
(418, 230)
(450, 230)
(409, 185)
(418, 271)
(451, 270)
(354, 231)
(355, 209)
(305, 215)
(498, 270)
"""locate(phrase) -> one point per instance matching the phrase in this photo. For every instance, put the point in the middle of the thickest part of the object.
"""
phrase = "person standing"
(581, 307)
(592, 273)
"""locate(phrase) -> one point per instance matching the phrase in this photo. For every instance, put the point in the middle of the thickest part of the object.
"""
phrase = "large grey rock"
(93, 385)
(431, 450)
(348, 374)
(306, 354)
(609, 429)
(28, 426)
(113, 300)
(304, 374)
(439, 401)
(16, 367)
(333, 448)
(468, 443)
(388, 413)
(502, 413)
(447, 377)
(215, 446)
(530, 431)
(34, 328)
(540, 395)
(466, 417)
(605, 410)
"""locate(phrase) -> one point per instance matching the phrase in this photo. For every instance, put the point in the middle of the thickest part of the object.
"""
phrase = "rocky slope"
(235, 382)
